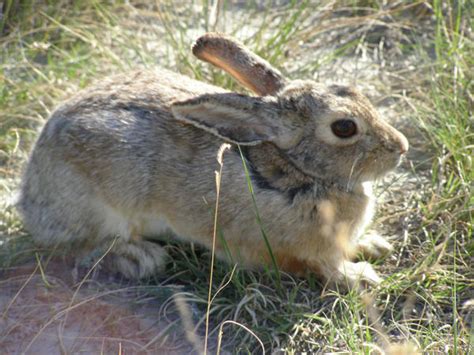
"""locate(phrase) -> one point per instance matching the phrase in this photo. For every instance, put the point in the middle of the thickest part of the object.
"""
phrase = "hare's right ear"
(238, 118)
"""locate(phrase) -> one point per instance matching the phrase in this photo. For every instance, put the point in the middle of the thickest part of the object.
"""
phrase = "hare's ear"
(248, 68)
(236, 118)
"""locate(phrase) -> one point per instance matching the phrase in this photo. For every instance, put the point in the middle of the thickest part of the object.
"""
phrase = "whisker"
(350, 186)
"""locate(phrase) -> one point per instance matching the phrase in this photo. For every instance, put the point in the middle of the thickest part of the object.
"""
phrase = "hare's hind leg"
(127, 253)
(60, 209)
(88, 226)
(55, 204)
(136, 259)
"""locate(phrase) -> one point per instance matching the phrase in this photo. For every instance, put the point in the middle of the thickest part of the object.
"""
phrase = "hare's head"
(331, 133)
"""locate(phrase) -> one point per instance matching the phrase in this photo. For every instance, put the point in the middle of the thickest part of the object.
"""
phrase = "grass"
(413, 58)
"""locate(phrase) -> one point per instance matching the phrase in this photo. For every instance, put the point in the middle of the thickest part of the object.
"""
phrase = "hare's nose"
(403, 144)
(397, 140)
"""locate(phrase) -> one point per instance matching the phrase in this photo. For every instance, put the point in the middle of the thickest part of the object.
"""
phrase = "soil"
(45, 315)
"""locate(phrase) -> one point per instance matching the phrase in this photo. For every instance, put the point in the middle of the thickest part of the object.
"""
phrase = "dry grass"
(414, 59)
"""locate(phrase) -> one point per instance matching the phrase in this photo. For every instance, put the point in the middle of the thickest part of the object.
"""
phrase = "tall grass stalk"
(260, 224)
(220, 160)
(6, 8)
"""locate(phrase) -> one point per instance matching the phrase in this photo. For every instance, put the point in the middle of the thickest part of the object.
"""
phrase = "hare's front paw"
(352, 274)
(136, 260)
(373, 246)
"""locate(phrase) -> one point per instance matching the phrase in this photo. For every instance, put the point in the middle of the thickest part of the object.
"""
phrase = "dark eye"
(344, 128)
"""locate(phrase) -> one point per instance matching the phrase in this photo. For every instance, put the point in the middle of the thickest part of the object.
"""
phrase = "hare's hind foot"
(136, 259)
(373, 246)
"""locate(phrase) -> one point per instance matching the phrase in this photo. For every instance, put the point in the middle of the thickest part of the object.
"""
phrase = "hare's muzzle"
(394, 140)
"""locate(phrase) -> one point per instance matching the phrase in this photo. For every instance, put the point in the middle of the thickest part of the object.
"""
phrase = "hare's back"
(120, 134)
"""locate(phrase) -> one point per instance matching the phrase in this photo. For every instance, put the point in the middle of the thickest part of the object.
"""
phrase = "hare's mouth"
(387, 164)
(376, 168)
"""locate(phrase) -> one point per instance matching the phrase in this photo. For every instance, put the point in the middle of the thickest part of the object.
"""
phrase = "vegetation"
(413, 58)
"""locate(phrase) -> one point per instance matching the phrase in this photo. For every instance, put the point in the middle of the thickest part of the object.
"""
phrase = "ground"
(412, 59)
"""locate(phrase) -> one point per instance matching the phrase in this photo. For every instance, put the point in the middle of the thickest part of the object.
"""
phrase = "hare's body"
(115, 163)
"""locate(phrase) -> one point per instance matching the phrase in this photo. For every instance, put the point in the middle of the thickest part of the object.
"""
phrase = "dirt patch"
(46, 315)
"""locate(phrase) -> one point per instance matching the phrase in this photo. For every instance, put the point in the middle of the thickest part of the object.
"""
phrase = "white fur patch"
(369, 210)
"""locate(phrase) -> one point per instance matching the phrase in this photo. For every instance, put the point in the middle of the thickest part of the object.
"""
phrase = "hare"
(135, 156)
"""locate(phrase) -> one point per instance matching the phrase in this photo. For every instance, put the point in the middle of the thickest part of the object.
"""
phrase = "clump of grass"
(448, 124)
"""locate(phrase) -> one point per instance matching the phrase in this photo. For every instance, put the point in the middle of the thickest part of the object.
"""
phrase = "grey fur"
(135, 155)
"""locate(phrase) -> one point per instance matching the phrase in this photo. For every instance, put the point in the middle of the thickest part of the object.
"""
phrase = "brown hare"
(135, 156)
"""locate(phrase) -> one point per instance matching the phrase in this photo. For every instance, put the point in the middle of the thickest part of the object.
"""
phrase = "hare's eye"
(344, 128)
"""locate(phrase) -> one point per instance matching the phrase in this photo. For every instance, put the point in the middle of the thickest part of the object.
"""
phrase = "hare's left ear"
(237, 118)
